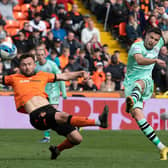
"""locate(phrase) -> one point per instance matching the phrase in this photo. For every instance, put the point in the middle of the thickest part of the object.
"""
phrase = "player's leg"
(79, 121)
(135, 95)
(73, 138)
(149, 132)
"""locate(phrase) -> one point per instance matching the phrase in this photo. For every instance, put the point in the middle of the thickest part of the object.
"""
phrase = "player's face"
(151, 40)
(40, 55)
(27, 66)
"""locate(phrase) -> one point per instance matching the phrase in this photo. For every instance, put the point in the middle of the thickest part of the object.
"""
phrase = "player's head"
(27, 64)
(152, 37)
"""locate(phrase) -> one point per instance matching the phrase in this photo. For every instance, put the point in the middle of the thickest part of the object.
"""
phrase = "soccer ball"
(7, 50)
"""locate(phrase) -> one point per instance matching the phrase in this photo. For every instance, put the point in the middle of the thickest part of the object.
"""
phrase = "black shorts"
(43, 118)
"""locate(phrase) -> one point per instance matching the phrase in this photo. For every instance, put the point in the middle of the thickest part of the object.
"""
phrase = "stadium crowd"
(72, 41)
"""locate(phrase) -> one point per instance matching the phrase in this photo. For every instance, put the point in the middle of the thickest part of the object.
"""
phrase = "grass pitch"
(99, 149)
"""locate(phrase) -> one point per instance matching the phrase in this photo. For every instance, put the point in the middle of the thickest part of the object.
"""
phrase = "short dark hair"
(154, 30)
(24, 56)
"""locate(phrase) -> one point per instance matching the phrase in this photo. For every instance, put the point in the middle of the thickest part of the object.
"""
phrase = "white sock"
(160, 146)
(97, 122)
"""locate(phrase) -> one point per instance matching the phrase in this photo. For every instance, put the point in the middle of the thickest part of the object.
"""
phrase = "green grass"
(99, 149)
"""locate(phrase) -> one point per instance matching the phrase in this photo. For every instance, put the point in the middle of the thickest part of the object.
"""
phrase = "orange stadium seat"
(122, 31)
(12, 31)
(12, 24)
(20, 16)
(17, 8)
(25, 7)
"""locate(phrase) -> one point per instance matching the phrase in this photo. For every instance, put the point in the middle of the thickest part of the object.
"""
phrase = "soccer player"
(30, 98)
(138, 83)
(52, 89)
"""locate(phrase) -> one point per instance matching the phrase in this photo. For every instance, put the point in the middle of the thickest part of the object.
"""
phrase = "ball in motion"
(7, 50)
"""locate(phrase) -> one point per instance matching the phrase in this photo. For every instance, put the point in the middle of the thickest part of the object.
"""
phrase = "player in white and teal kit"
(52, 89)
(138, 82)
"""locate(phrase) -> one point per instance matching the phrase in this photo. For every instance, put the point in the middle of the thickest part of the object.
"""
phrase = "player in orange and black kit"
(30, 97)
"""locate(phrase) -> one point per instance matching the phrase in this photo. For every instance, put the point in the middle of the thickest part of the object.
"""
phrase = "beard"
(27, 75)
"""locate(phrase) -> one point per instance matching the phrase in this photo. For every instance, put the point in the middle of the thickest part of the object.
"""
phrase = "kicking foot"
(45, 140)
(54, 152)
(163, 153)
(129, 104)
(104, 117)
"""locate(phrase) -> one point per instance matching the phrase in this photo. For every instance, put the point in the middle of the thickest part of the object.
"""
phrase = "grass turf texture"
(99, 149)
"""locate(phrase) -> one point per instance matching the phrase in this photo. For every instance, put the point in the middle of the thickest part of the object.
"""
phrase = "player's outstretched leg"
(79, 121)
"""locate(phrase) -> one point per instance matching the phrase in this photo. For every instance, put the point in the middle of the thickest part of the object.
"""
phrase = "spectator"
(84, 23)
(53, 57)
(27, 29)
(139, 16)
(15, 63)
(58, 32)
(73, 66)
(165, 5)
(71, 43)
(160, 74)
(38, 24)
(49, 41)
(64, 58)
(50, 10)
(105, 56)
(133, 29)
(89, 85)
(153, 22)
(117, 69)
(67, 25)
(164, 25)
(99, 75)
(34, 39)
(65, 3)
(34, 8)
(95, 43)
(62, 13)
(58, 47)
(6, 9)
(108, 85)
(82, 61)
(75, 86)
(87, 33)
(76, 17)
(20, 42)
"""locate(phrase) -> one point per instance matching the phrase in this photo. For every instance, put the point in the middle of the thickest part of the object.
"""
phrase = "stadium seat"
(20, 16)
(12, 31)
(17, 8)
(122, 31)
(12, 24)
(25, 7)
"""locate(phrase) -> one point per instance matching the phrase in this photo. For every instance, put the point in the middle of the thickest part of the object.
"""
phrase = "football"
(7, 50)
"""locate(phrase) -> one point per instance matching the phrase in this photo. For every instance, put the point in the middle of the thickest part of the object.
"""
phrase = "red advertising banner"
(90, 107)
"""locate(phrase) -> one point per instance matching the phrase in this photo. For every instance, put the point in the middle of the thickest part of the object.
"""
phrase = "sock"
(150, 133)
(65, 145)
(136, 93)
(81, 121)
(47, 134)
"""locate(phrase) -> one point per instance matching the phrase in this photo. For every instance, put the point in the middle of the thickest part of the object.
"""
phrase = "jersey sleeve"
(7, 80)
(136, 49)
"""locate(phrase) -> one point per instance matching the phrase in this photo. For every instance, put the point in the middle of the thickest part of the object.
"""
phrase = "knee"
(77, 140)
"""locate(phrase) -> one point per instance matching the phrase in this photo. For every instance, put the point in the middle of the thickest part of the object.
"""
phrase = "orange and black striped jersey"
(27, 87)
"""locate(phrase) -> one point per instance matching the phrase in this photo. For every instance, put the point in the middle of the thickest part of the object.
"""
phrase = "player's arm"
(147, 61)
(72, 75)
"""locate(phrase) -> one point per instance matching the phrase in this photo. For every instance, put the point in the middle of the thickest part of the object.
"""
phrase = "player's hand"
(161, 63)
(86, 75)
(161, 10)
